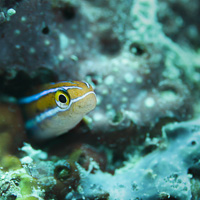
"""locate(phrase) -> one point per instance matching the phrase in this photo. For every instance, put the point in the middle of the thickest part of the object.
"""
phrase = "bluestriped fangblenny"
(56, 108)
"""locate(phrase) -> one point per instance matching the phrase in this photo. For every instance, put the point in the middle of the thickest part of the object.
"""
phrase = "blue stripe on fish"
(52, 112)
(35, 97)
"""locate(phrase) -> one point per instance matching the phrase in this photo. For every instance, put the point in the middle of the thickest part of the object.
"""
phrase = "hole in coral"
(167, 198)
(118, 117)
(169, 88)
(10, 3)
(62, 172)
(82, 159)
(16, 180)
(195, 171)
(169, 93)
(69, 12)
(162, 121)
(45, 30)
(137, 49)
(11, 197)
(148, 149)
(134, 187)
(95, 79)
(193, 143)
(110, 44)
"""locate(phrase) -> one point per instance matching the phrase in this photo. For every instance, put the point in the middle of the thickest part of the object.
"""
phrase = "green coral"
(10, 162)
(16, 180)
(20, 185)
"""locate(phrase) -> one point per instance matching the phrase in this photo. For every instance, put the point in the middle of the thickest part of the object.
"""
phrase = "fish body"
(56, 108)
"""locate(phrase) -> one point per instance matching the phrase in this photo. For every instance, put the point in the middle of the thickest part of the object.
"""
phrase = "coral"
(143, 59)
(10, 163)
(18, 176)
(141, 179)
(162, 173)
(180, 22)
(152, 64)
(195, 189)
(19, 185)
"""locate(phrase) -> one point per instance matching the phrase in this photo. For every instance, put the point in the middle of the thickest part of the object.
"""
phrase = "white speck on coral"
(124, 89)
(64, 41)
(124, 99)
(105, 91)
(11, 12)
(47, 42)
(109, 80)
(74, 57)
(17, 32)
(98, 117)
(149, 102)
(135, 65)
(115, 69)
(32, 50)
(128, 78)
(109, 106)
(23, 19)
(61, 57)
(17, 46)
(139, 79)
(88, 35)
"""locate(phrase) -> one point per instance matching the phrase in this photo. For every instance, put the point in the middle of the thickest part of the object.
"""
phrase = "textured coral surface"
(143, 59)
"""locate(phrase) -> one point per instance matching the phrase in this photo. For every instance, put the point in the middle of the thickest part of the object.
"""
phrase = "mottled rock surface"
(143, 59)
(141, 76)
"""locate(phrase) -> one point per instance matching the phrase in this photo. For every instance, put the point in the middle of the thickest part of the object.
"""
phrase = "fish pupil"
(62, 98)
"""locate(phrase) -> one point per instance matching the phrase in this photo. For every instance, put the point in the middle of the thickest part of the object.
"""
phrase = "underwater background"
(142, 57)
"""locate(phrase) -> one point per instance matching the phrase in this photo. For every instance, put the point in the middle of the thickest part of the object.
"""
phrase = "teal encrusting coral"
(142, 58)
(163, 174)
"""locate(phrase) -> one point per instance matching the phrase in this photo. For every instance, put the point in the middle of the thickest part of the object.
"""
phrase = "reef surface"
(143, 59)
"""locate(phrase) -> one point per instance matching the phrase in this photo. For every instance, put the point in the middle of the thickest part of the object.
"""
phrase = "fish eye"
(62, 99)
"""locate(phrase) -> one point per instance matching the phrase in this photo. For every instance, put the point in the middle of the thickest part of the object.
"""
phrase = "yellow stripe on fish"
(56, 108)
